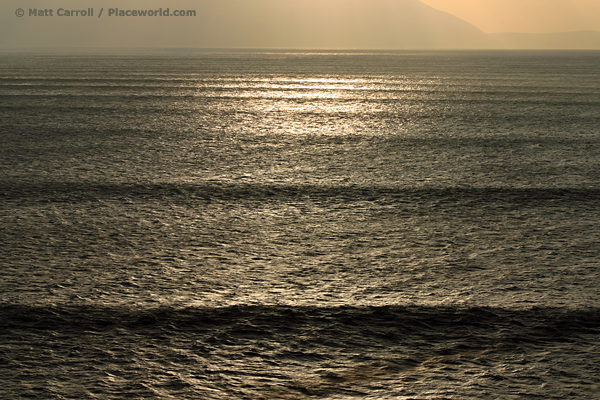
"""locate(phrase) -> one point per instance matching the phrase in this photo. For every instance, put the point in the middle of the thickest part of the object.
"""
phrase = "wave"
(392, 322)
(77, 191)
(300, 352)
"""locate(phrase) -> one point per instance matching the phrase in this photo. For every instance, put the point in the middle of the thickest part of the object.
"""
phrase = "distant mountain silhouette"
(335, 24)
(563, 40)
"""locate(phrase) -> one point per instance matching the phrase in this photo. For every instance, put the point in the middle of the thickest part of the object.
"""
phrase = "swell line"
(77, 191)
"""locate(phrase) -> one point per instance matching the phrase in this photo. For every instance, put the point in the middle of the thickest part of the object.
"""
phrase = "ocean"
(195, 224)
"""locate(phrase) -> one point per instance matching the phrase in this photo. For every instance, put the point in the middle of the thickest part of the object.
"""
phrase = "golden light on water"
(314, 105)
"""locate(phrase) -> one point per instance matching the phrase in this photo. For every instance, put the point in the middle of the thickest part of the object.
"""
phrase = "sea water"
(286, 224)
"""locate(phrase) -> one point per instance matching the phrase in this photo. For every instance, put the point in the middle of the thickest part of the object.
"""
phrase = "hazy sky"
(526, 16)
(235, 23)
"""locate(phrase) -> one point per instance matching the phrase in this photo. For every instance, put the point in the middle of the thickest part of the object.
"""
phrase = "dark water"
(300, 225)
